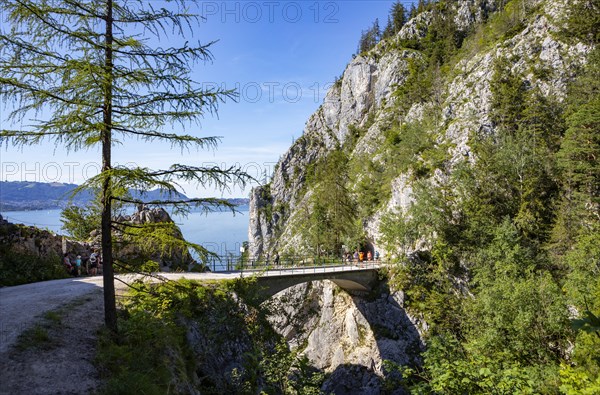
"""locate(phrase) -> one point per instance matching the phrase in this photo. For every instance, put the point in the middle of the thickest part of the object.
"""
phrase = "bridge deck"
(270, 271)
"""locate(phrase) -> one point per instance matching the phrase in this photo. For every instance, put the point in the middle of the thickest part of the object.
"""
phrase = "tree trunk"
(110, 306)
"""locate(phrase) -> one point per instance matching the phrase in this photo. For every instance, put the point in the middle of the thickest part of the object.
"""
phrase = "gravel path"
(62, 360)
(68, 314)
(21, 305)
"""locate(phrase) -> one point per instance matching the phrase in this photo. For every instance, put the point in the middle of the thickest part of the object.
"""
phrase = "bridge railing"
(306, 269)
(289, 264)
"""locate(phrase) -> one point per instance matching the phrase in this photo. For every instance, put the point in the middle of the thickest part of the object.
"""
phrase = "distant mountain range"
(25, 195)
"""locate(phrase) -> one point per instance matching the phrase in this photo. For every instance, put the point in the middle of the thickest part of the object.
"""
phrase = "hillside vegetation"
(481, 182)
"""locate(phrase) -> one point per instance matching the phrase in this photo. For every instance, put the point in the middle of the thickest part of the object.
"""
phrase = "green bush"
(21, 268)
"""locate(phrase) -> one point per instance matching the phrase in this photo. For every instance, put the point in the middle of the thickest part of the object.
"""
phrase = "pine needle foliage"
(103, 72)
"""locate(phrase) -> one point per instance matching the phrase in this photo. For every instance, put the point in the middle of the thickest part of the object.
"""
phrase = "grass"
(44, 334)
(53, 316)
(41, 336)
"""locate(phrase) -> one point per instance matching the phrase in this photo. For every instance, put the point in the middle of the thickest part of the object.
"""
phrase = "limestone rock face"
(366, 84)
(39, 242)
(363, 98)
(536, 50)
(217, 360)
(469, 12)
(260, 230)
(416, 27)
(345, 335)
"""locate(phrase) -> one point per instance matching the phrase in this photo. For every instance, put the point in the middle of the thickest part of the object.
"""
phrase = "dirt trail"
(66, 315)
(58, 357)
(20, 305)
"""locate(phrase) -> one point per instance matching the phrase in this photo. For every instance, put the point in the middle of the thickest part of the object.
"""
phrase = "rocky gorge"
(349, 337)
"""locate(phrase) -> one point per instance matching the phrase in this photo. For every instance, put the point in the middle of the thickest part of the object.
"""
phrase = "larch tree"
(85, 74)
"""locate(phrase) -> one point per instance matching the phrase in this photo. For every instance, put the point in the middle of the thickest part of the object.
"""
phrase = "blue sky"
(281, 56)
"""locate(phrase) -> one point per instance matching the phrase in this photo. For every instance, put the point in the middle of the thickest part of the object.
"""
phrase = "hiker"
(67, 263)
(93, 261)
(369, 256)
(86, 264)
(377, 255)
(276, 259)
(361, 256)
(356, 256)
(78, 265)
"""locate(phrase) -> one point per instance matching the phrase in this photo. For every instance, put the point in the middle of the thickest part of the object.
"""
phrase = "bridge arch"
(361, 280)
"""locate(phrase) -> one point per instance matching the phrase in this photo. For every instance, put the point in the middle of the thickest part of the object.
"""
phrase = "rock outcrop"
(39, 242)
(365, 86)
(175, 257)
(29, 254)
(347, 336)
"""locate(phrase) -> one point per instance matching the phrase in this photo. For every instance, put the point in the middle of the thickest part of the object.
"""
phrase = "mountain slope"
(24, 195)
(465, 149)
(380, 91)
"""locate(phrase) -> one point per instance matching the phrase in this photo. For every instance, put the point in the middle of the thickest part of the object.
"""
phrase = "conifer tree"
(376, 32)
(369, 38)
(413, 11)
(584, 21)
(331, 212)
(389, 29)
(398, 16)
(508, 91)
(94, 74)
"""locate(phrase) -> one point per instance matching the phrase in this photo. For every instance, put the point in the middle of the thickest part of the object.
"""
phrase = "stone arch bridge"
(352, 278)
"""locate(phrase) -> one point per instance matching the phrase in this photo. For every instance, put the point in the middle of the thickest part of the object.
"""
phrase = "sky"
(280, 56)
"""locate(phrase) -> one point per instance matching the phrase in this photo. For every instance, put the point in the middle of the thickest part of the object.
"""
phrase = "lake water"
(219, 232)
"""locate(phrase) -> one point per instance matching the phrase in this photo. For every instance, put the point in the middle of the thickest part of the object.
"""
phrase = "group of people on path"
(79, 266)
(359, 256)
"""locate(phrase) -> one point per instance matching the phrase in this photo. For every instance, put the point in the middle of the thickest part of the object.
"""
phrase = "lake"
(219, 232)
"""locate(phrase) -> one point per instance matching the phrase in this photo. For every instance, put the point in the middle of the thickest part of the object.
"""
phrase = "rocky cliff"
(29, 254)
(348, 337)
(365, 99)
